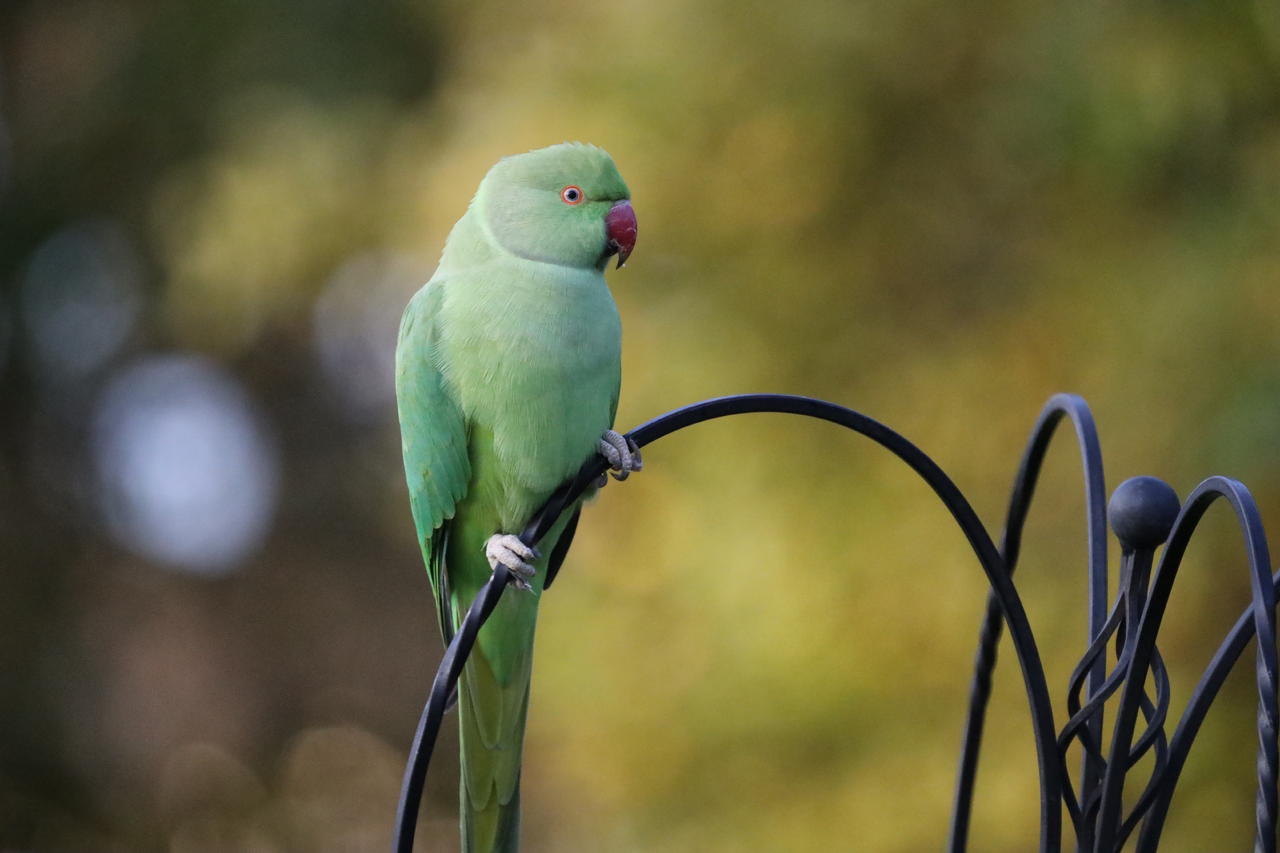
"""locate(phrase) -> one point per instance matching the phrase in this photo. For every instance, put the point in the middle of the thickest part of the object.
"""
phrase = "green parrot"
(507, 374)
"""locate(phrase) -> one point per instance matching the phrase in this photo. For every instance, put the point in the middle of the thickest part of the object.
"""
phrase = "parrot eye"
(571, 195)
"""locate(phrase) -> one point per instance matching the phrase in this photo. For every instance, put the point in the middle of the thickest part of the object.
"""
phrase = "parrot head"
(565, 204)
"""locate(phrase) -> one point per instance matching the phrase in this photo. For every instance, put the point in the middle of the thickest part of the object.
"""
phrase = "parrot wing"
(434, 439)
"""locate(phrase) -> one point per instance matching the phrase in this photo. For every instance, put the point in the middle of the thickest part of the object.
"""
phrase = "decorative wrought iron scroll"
(1145, 515)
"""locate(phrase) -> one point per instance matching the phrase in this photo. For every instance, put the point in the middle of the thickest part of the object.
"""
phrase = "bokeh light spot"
(187, 475)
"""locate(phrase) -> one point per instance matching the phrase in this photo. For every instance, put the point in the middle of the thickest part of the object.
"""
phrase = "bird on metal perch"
(507, 377)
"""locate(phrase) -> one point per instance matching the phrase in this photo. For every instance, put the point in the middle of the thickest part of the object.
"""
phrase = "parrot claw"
(621, 452)
(508, 550)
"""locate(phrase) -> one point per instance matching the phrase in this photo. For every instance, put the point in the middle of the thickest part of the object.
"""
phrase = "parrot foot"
(507, 549)
(622, 454)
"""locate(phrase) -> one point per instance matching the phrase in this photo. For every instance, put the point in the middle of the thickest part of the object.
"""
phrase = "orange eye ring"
(572, 195)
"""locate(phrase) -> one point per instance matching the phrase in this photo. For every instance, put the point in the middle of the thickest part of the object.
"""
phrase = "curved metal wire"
(989, 557)
(1206, 691)
(1263, 614)
(1058, 408)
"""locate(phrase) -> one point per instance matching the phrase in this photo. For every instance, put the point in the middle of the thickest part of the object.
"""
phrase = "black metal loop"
(1058, 407)
(1002, 589)
(1263, 614)
(1257, 619)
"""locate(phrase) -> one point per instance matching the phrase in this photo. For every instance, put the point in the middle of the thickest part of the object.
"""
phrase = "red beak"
(620, 230)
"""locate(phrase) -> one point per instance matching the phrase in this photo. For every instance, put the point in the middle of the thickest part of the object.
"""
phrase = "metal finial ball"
(1142, 512)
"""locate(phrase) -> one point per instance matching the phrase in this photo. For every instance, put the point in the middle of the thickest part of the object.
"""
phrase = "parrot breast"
(536, 360)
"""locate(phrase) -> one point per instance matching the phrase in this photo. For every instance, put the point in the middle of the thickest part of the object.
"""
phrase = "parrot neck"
(469, 243)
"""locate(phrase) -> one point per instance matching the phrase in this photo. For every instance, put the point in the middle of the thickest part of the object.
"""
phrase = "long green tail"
(490, 816)
(493, 692)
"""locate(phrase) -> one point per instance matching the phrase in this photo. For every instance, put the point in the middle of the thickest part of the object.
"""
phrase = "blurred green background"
(215, 631)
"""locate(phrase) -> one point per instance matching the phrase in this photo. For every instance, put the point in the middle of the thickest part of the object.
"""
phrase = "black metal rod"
(1076, 726)
(1154, 736)
(1202, 698)
(1021, 635)
(424, 738)
(1058, 407)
